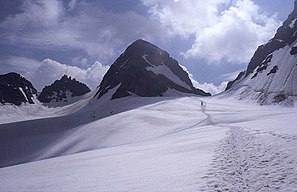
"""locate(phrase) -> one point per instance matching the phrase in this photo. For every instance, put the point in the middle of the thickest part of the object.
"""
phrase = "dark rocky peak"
(62, 90)
(147, 71)
(65, 78)
(15, 89)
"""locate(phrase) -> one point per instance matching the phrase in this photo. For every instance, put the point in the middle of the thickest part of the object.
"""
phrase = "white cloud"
(222, 29)
(99, 33)
(46, 72)
(210, 87)
(42, 73)
(34, 15)
(184, 17)
(50, 70)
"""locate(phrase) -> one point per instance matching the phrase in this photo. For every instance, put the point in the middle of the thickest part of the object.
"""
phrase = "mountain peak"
(65, 78)
(141, 49)
(146, 70)
(63, 91)
(16, 89)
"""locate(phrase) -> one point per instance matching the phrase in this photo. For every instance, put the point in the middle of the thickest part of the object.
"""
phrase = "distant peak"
(141, 42)
(65, 78)
(63, 91)
(16, 89)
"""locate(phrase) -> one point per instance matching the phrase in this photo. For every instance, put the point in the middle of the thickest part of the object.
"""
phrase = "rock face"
(271, 75)
(64, 90)
(147, 71)
(15, 89)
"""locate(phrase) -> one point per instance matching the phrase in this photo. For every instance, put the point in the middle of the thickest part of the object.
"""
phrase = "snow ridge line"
(253, 162)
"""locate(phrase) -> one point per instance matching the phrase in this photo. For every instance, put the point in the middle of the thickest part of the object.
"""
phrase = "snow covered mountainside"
(157, 144)
(271, 76)
(15, 89)
(63, 92)
(147, 71)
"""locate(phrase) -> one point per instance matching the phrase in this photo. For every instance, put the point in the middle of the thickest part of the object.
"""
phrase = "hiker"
(201, 103)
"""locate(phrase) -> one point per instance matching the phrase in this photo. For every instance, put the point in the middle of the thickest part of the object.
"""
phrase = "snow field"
(268, 88)
(159, 151)
(258, 152)
(169, 145)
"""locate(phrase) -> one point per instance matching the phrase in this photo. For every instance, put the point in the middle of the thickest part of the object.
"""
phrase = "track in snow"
(249, 161)
(259, 161)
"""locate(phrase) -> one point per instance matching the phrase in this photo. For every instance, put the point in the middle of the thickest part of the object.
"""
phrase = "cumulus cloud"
(34, 15)
(50, 70)
(99, 33)
(184, 17)
(222, 29)
(210, 87)
(42, 73)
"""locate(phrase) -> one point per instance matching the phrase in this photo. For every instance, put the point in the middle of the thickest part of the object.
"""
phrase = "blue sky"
(214, 39)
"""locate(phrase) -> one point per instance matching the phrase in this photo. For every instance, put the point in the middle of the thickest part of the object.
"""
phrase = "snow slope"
(164, 70)
(10, 113)
(274, 82)
(173, 144)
